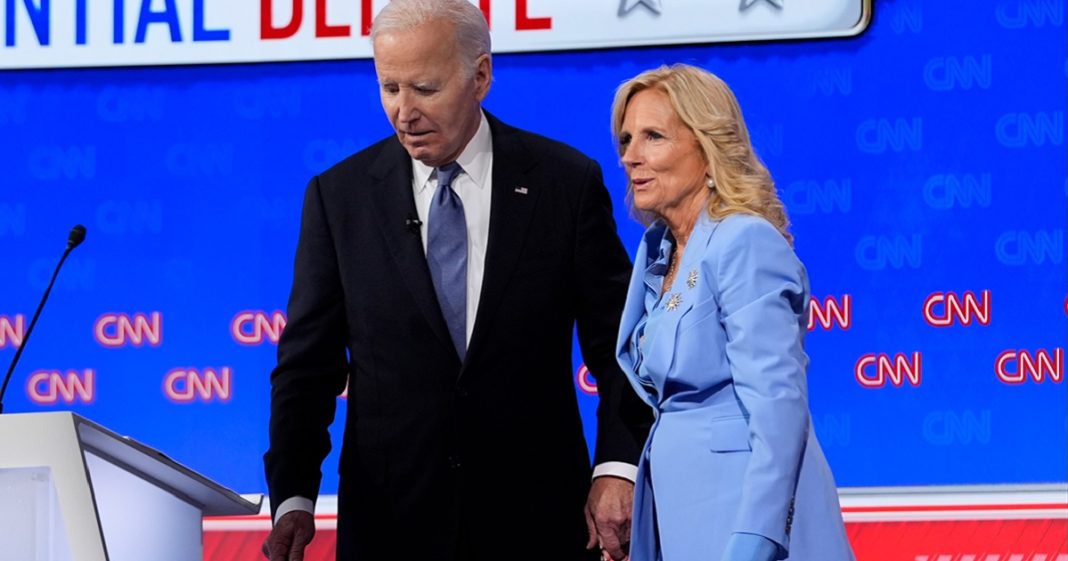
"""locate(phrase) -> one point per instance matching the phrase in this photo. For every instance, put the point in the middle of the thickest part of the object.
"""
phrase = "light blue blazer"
(720, 360)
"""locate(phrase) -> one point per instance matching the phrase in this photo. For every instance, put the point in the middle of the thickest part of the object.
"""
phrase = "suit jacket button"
(790, 517)
(454, 461)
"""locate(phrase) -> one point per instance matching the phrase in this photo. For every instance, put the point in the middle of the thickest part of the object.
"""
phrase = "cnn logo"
(585, 381)
(188, 385)
(830, 312)
(12, 331)
(257, 327)
(114, 330)
(48, 387)
(875, 370)
(943, 309)
(1014, 367)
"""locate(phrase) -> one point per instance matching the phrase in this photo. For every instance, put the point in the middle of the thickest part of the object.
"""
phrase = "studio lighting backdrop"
(922, 163)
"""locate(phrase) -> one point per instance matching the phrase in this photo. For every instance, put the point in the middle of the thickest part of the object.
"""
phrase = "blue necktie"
(446, 255)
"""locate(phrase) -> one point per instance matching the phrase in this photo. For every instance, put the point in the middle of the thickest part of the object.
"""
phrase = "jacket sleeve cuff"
(750, 547)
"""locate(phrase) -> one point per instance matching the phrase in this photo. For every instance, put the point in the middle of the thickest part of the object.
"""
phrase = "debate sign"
(73, 33)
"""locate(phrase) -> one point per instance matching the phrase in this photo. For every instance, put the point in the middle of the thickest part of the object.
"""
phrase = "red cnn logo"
(253, 328)
(830, 312)
(898, 369)
(585, 381)
(943, 309)
(120, 330)
(1036, 365)
(47, 387)
(186, 385)
(12, 331)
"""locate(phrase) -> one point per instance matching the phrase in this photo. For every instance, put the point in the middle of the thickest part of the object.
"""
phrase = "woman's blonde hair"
(706, 105)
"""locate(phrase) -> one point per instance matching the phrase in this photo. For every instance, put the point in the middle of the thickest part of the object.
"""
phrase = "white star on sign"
(628, 5)
(747, 3)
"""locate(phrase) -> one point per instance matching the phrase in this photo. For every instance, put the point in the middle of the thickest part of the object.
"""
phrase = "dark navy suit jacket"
(443, 460)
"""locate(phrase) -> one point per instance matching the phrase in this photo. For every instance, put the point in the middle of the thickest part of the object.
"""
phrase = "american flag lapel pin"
(521, 190)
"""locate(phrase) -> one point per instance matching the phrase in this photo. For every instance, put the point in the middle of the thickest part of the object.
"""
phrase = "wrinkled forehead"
(650, 107)
(415, 55)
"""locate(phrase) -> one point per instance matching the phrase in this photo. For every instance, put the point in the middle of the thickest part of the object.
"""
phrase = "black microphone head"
(76, 237)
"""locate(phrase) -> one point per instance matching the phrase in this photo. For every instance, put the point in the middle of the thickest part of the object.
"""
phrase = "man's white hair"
(470, 29)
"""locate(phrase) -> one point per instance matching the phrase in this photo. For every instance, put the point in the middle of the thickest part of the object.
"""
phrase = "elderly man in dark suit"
(441, 273)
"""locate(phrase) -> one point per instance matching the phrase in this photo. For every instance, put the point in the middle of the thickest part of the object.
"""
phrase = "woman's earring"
(710, 183)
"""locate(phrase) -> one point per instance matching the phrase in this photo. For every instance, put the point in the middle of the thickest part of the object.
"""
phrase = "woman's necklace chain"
(673, 267)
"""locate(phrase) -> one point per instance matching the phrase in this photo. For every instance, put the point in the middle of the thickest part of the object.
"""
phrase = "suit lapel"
(662, 343)
(395, 202)
(511, 208)
(633, 311)
(634, 306)
(690, 266)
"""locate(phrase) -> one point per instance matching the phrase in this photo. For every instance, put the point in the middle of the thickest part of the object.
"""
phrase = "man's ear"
(483, 75)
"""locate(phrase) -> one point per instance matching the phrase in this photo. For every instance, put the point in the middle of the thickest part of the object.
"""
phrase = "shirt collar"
(476, 159)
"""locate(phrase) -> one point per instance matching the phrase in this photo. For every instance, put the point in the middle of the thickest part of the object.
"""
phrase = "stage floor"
(987, 523)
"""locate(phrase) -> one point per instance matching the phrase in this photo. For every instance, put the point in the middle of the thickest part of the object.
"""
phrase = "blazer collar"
(655, 240)
(514, 197)
(634, 306)
(391, 193)
(512, 205)
(696, 247)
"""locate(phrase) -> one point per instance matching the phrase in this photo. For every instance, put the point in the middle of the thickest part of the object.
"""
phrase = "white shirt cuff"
(616, 469)
(294, 503)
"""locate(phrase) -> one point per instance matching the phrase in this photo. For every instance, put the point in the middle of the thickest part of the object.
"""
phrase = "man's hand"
(608, 512)
(293, 532)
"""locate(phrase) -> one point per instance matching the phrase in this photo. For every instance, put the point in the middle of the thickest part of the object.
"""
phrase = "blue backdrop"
(925, 157)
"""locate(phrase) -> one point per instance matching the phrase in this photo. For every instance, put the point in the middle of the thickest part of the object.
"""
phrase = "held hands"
(608, 512)
(293, 532)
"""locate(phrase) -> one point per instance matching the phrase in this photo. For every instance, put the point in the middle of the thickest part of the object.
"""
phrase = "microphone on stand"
(76, 237)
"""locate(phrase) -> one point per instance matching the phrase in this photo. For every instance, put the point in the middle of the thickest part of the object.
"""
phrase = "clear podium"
(72, 490)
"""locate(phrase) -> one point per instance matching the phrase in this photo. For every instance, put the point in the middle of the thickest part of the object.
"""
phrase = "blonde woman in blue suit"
(711, 338)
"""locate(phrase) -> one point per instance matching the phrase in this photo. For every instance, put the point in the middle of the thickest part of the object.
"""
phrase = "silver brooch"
(674, 302)
(691, 279)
